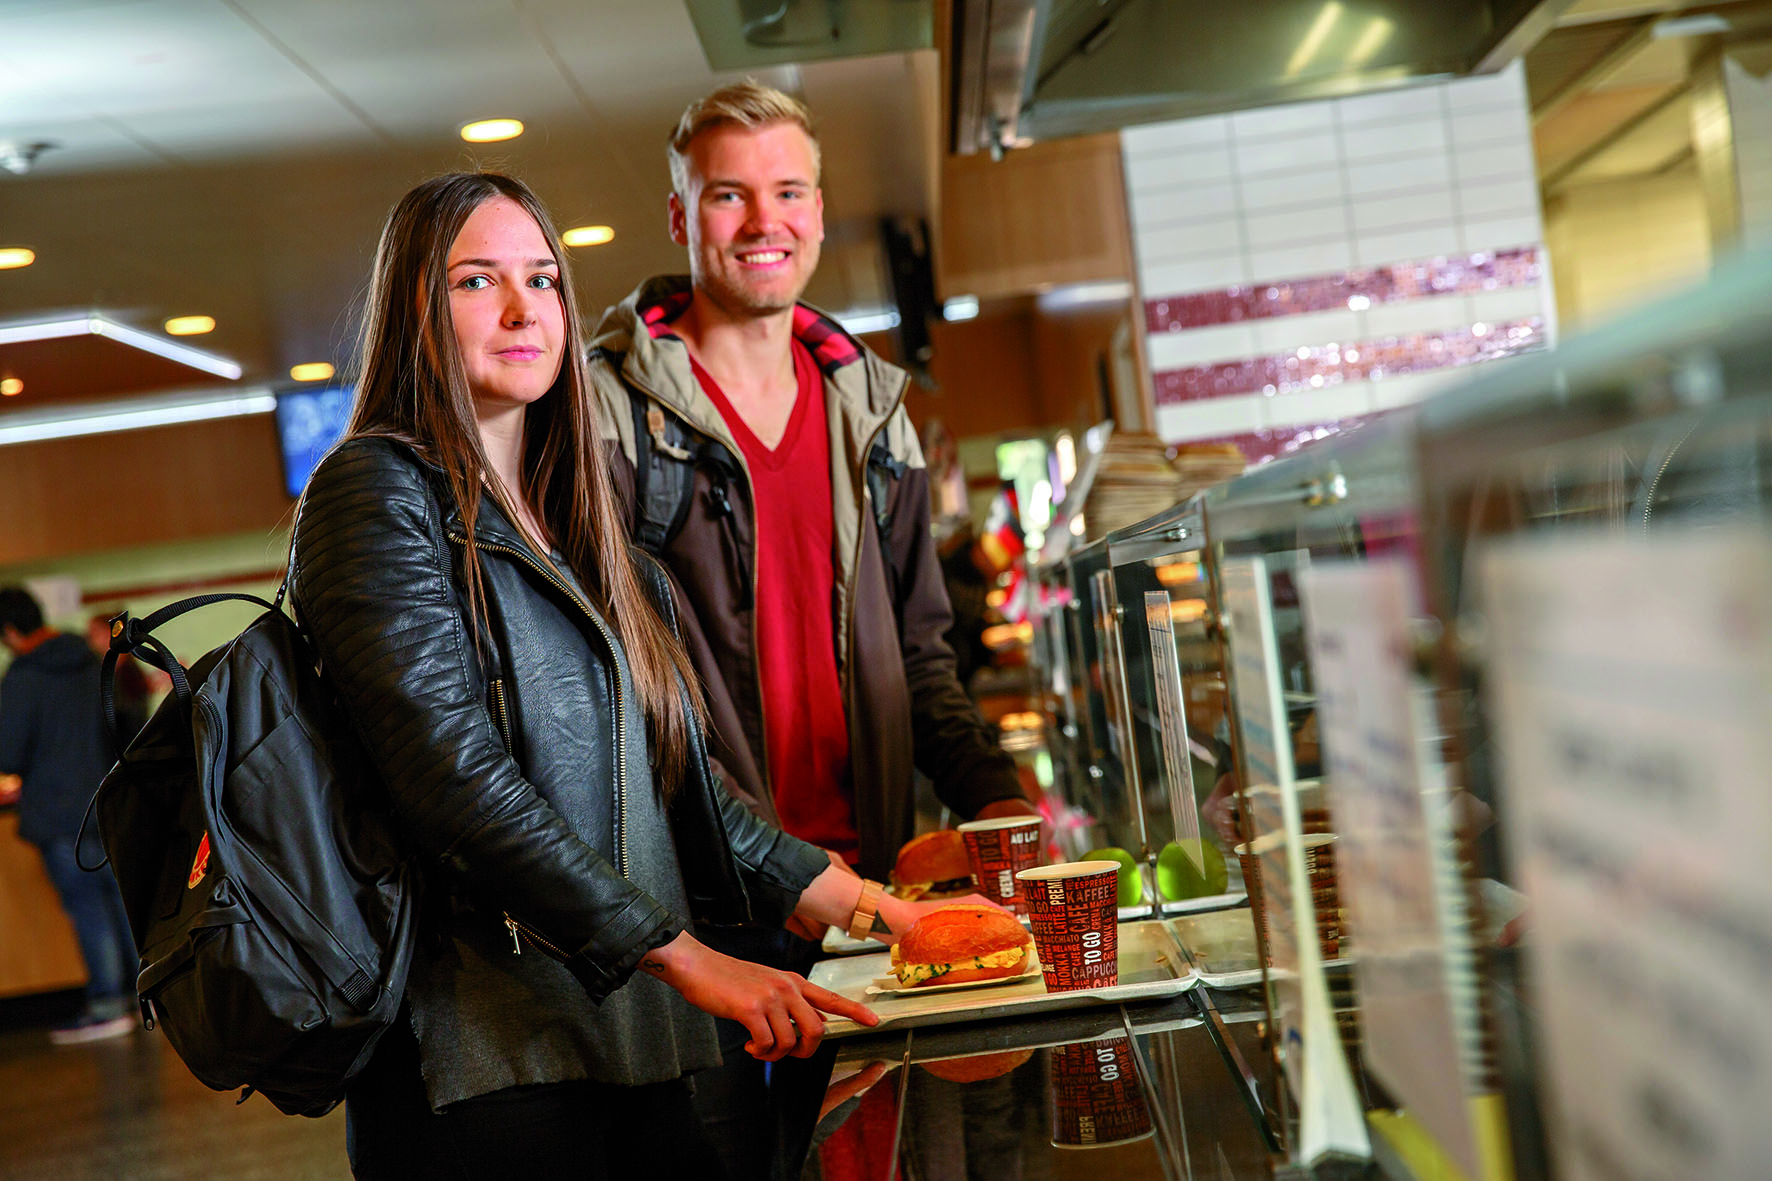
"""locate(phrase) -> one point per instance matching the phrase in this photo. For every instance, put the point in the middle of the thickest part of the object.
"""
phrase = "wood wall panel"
(111, 491)
(1045, 215)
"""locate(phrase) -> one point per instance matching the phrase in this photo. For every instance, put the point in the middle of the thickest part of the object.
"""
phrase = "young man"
(52, 736)
(781, 484)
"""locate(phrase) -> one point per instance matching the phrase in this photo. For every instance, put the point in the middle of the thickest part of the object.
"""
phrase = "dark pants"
(577, 1129)
(96, 910)
(761, 1115)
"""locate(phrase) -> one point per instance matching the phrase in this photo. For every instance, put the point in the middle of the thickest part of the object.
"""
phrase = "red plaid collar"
(823, 337)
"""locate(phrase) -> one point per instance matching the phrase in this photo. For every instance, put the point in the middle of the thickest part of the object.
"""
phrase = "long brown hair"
(412, 386)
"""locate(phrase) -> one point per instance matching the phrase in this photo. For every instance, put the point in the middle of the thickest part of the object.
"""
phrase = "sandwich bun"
(956, 944)
(935, 859)
(977, 1067)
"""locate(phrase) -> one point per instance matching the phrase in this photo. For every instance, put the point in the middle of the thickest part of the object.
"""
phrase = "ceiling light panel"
(311, 371)
(491, 131)
(190, 325)
(588, 235)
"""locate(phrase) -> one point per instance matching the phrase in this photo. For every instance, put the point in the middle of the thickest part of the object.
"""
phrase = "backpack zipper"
(621, 747)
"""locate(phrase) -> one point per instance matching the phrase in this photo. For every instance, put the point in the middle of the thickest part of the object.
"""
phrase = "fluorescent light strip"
(858, 323)
(123, 334)
(961, 307)
(17, 428)
(1075, 295)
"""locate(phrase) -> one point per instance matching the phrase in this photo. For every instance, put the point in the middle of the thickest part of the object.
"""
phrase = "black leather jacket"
(487, 760)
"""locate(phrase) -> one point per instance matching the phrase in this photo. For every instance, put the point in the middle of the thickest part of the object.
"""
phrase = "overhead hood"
(1026, 70)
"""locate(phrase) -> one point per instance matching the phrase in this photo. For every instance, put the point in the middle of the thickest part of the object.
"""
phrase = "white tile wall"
(1399, 176)
(1342, 400)
(1292, 189)
(1312, 328)
(1307, 223)
(1301, 261)
(1314, 188)
(1405, 245)
(1215, 235)
(1217, 416)
(1204, 273)
(1202, 346)
(1378, 215)
(1172, 205)
(1417, 315)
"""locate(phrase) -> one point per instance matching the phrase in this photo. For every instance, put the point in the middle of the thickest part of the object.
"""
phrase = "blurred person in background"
(462, 566)
(819, 642)
(52, 738)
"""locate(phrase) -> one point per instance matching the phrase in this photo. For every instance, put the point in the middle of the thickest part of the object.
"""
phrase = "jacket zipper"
(500, 717)
(522, 931)
(621, 746)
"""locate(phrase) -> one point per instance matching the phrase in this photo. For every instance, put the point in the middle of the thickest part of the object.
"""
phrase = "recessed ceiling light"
(190, 325)
(588, 235)
(312, 371)
(11, 387)
(488, 131)
(16, 256)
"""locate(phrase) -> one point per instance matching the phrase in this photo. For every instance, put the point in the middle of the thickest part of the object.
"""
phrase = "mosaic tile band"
(1482, 270)
(1259, 447)
(1328, 365)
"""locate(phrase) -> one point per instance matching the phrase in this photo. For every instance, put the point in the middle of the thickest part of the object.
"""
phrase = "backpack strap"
(134, 637)
(664, 468)
(883, 471)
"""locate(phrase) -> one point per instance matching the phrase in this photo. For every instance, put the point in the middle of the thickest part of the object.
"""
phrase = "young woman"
(515, 676)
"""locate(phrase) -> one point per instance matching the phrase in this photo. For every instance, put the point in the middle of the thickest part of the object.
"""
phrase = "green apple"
(1131, 885)
(1191, 869)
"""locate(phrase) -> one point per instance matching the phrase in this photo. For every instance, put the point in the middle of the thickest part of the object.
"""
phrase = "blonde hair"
(748, 104)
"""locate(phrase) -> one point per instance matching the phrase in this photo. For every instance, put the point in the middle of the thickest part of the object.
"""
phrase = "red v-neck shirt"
(796, 606)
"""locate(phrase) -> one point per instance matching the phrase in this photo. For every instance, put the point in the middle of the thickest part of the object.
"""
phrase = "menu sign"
(1397, 848)
(1630, 686)
(1330, 1117)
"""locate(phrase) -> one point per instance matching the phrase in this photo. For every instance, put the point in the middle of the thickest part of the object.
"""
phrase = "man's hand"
(781, 1010)
(895, 916)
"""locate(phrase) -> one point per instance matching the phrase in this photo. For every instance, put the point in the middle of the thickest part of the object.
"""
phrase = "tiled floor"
(128, 1108)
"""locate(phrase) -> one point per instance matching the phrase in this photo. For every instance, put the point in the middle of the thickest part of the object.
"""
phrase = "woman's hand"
(782, 1011)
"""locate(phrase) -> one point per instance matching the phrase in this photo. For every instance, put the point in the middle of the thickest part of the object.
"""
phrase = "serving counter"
(1475, 705)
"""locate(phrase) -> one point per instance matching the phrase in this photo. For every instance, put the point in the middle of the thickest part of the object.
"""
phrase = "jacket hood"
(654, 358)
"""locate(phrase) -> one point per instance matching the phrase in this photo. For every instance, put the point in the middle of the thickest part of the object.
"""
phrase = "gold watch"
(861, 923)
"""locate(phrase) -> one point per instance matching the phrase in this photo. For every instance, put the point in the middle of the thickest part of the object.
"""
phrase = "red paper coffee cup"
(998, 850)
(1096, 1099)
(1074, 911)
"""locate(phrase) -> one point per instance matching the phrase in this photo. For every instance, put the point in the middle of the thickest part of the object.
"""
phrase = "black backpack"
(268, 893)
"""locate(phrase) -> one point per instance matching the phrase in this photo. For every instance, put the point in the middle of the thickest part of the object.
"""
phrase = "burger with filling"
(933, 866)
(955, 944)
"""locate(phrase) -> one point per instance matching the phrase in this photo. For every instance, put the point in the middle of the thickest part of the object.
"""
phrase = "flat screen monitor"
(309, 422)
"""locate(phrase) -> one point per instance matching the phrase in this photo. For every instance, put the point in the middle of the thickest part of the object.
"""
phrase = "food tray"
(1222, 948)
(837, 941)
(1209, 902)
(1151, 965)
